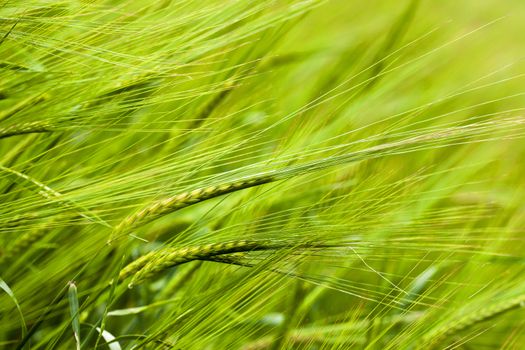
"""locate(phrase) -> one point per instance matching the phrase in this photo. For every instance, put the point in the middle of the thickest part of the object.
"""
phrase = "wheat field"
(271, 174)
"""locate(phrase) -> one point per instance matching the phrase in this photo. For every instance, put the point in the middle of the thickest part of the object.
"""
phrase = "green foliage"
(295, 174)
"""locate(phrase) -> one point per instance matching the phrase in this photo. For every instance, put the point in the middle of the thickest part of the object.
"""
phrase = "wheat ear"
(25, 128)
(473, 318)
(21, 244)
(183, 200)
(49, 193)
(152, 263)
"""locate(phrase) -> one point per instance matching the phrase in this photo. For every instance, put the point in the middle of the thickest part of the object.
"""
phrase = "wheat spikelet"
(230, 259)
(25, 128)
(136, 265)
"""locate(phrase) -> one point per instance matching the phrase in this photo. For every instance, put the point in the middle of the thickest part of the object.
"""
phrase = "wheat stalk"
(28, 102)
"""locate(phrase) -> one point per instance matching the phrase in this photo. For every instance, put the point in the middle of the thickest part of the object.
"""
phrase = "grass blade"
(9, 292)
(74, 311)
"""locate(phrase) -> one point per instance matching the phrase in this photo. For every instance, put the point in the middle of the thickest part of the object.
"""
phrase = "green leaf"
(9, 292)
(74, 311)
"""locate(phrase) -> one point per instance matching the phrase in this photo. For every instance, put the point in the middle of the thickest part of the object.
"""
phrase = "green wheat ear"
(153, 263)
(183, 200)
(26, 128)
(471, 319)
(55, 196)
(233, 252)
(21, 245)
